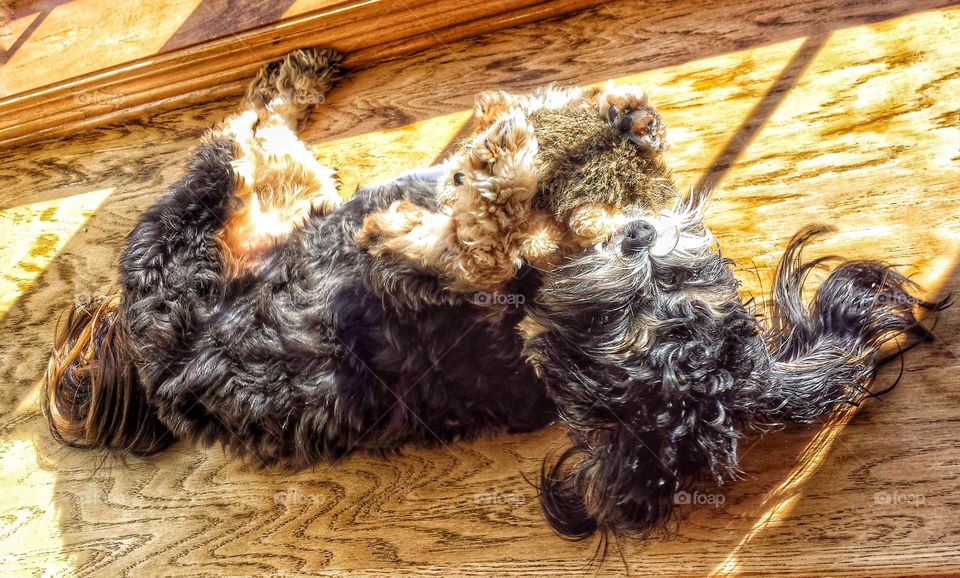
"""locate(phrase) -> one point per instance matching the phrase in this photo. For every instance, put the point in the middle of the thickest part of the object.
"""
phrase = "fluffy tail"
(92, 395)
(829, 351)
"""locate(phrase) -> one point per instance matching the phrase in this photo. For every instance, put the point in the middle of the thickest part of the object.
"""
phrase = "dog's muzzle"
(638, 236)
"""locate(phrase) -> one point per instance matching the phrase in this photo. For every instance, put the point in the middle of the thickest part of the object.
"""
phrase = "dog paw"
(629, 111)
(592, 223)
(304, 76)
(490, 105)
(499, 165)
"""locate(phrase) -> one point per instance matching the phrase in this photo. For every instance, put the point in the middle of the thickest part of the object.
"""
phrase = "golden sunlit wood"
(118, 66)
(827, 111)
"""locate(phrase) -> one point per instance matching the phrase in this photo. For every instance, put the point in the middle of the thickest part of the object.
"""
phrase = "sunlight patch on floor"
(29, 530)
(874, 101)
(782, 499)
(390, 153)
(42, 230)
(705, 101)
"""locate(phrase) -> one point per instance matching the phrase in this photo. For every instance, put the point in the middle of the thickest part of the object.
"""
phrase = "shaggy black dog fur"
(642, 346)
(324, 349)
(659, 369)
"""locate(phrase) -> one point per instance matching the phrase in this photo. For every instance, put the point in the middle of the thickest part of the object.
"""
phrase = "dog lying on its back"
(657, 366)
(287, 343)
(258, 311)
(250, 314)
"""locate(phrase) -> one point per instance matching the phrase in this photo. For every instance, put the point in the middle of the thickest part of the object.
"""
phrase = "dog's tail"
(92, 395)
(828, 351)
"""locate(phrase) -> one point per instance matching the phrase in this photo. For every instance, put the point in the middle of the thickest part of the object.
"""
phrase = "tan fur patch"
(491, 105)
(412, 231)
(280, 181)
(592, 224)
(543, 240)
(528, 328)
(475, 242)
(487, 226)
(623, 97)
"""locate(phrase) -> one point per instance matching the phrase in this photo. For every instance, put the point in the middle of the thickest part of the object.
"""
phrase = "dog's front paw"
(490, 105)
(499, 167)
(629, 111)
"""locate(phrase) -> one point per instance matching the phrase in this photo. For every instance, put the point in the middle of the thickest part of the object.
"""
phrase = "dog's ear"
(621, 485)
(561, 499)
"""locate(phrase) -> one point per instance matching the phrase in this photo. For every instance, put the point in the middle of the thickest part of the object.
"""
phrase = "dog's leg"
(478, 237)
(490, 105)
(280, 180)
(542, 240)
(289, 87)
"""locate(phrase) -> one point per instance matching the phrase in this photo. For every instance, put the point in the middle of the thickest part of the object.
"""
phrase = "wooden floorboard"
(797, 112)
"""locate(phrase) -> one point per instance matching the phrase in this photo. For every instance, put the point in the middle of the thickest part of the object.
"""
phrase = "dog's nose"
(638, 235)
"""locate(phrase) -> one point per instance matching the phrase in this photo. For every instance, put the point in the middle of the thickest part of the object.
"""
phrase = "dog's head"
(650, 354)
(658, 368)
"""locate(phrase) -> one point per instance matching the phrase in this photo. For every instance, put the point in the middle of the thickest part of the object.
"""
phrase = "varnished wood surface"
(104, 62)
(99, 35)
(798, 112)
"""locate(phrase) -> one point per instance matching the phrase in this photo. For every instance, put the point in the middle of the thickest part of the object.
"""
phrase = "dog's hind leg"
(280, 181)
(286, 89)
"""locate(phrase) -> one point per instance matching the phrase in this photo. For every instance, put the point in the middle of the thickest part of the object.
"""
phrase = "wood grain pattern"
(146, 77)
(799, 112)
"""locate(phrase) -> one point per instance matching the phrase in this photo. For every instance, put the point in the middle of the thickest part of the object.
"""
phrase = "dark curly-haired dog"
(249, 316)
(258, 311)
(659, 369)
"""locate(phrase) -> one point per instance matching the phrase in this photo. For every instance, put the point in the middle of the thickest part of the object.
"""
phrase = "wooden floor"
(69, 65)
(99, 35)
(798, 111)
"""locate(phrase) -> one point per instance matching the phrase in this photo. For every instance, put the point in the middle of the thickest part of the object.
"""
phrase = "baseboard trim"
(368, 31)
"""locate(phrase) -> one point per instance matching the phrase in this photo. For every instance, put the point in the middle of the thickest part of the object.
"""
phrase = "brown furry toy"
(545, 174)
